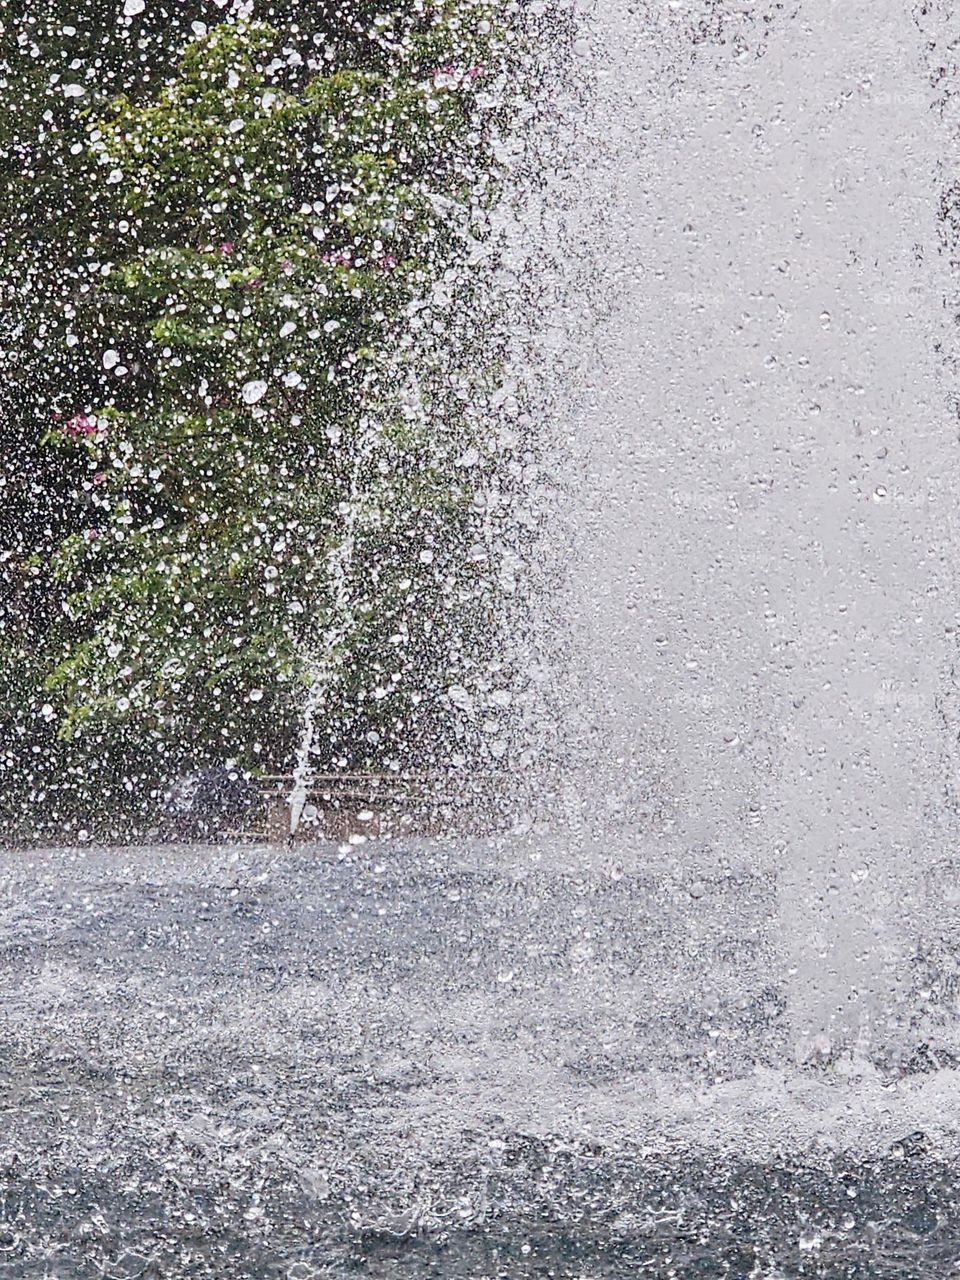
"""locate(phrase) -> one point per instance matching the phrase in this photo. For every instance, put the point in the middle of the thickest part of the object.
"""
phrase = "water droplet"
(253, 391)
(810, 1239)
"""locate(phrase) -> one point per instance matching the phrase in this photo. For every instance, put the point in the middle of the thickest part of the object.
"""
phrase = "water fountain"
(553, 1056)
(769, 584)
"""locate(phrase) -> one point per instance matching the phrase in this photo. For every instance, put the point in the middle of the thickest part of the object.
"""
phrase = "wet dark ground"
(430, 1061)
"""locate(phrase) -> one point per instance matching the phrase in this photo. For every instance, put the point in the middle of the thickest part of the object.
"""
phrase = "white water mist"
(763, 599)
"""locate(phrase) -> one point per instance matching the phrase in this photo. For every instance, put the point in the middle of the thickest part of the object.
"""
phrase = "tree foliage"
(228, 472)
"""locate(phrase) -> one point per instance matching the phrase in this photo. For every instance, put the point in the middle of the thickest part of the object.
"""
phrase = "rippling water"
(892, 1216)
(456, 1060)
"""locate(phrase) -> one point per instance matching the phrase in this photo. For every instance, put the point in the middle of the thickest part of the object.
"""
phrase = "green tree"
(248, 477)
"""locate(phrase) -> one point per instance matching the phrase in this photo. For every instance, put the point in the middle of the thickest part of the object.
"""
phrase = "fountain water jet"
(765, 590)
(325, 671)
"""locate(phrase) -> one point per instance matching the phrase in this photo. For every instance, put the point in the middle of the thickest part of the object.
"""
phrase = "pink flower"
(80, 425)
(92, 534)
(388, 262)
(451, 76)
(253, 284)
(286, 264)
(227, 247)
(341, 259)
(99, 477)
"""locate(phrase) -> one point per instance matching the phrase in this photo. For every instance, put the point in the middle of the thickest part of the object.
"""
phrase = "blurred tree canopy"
(232, 466)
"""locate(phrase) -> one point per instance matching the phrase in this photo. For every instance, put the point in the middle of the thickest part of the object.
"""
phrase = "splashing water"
(764, 590)
(321, 678)
(325, 672)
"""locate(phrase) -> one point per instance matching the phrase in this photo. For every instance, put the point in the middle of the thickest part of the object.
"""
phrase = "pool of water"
(895, 1215)
(439, 1060)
